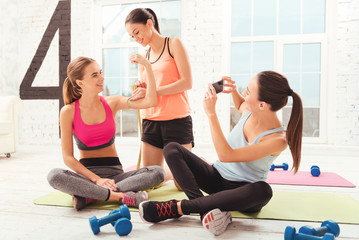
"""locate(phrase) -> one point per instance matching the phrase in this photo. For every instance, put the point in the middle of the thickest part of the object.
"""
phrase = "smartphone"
(218, 86)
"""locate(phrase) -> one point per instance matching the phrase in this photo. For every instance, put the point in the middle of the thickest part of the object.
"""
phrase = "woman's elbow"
(189, 84)
(186, 83)
(153, 102)
(223, 157)
(68, 160)
(227, 156)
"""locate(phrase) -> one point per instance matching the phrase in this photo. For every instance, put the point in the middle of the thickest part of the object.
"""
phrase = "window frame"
(279, 40)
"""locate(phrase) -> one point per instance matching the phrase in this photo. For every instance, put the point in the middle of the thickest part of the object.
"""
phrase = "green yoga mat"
(297, 206)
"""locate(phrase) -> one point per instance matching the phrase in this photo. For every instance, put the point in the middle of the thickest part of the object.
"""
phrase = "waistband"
(187, 118)
(103, 161)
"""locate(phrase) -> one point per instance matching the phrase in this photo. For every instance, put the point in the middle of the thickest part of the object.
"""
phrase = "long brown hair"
(274, 89)
(75, 71)
(141, 15)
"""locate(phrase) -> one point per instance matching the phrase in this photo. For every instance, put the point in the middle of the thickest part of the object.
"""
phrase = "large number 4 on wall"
(60, 20)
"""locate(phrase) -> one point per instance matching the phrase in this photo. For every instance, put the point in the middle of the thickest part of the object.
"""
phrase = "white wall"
(347, 73)
(202, 31)
(23, 23)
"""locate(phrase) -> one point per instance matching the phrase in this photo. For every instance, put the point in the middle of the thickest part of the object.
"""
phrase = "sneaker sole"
(140, 211)
(216, 221)
(146, 198)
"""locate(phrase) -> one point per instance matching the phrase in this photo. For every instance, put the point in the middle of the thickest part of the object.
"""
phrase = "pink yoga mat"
(306, 179)
(327, 179)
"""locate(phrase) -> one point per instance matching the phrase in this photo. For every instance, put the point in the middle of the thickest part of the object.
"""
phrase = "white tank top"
(252, 171)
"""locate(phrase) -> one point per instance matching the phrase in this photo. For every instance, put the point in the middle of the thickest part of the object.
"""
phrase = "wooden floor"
(23, 179)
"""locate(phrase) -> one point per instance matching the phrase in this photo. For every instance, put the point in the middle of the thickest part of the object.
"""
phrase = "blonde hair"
(75, 71)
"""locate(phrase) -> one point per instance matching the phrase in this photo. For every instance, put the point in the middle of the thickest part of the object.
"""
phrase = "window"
(286, 36)
(120, 75)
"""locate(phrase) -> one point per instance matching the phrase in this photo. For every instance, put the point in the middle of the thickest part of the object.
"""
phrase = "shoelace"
(164, 209)
(128, 200)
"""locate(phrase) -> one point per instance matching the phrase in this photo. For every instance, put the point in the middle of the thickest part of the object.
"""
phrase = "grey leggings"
(75, 184)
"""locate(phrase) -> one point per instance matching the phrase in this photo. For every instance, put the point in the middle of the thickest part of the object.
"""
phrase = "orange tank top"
(168, 106)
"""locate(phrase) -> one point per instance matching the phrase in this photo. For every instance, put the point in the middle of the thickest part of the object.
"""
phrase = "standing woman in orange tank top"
(170, 120)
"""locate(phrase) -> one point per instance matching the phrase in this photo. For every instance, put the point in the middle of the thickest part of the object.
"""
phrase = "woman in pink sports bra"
(89, 119)
(170, 120)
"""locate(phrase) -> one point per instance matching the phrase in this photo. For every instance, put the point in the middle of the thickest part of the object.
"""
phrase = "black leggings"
(193, 175)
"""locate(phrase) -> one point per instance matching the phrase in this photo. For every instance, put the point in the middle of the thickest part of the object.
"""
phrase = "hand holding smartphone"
(218, 86)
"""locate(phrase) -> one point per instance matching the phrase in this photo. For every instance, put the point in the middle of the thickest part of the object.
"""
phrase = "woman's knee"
(264, 189)
(159, 172)
(171, 150)
(54, 176)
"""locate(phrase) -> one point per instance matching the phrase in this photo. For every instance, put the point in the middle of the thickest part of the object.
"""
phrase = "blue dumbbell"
(122, 214)
(315, 171)
(284, 166)
(123, 210)
(123, 226)
(328, 226)
(290, 234)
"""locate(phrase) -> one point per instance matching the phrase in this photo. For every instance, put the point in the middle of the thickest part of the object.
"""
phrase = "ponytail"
(71, 91)
(274, 89)
(295, 130)
(154, 19)
(141, 15)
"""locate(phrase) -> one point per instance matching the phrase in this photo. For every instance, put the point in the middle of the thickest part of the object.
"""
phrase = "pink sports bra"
(96, 136)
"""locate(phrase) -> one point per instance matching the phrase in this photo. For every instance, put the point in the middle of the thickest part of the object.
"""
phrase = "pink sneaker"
(133, 199)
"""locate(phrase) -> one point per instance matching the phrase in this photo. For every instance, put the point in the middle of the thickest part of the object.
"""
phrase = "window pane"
(168, 15)
(235, 116)
(126, 85)
(313, 16)
(113, 22)
(311, 57)
(262, 56)
(289, 16)
(310, 121)
(241, 58)
(265, 17)
(112, 86)
(311, 89)
(119, 86)
(116, 62)
(241, 17)
(291, 58)
(241, 81)
(129, 123)
(170, 21)
(119, 73)
(294, 83)
(155, 6)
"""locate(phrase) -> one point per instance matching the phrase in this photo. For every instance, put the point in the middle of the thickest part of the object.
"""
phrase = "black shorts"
(160, 133)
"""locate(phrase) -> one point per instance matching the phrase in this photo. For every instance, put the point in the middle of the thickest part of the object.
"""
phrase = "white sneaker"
(216, 221)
